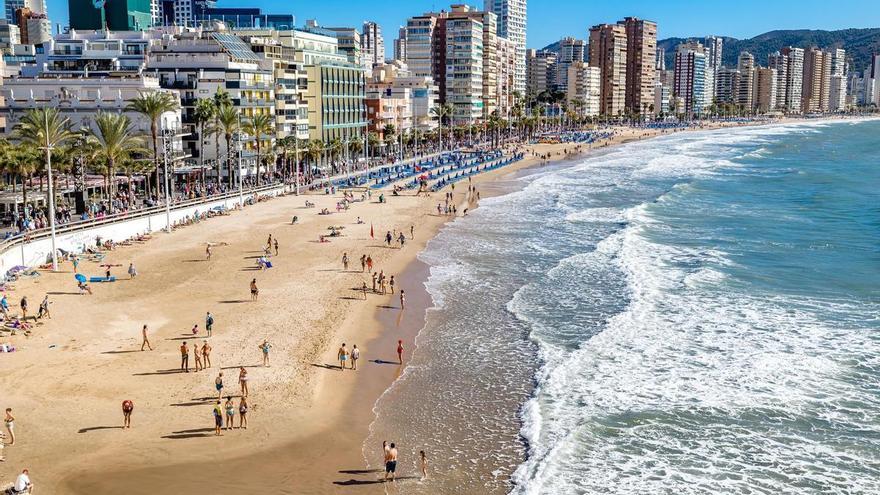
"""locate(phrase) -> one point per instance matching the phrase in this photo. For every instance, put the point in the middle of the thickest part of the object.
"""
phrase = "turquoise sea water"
(692, 314)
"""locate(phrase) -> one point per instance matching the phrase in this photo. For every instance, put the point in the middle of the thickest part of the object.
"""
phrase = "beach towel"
(102, 279)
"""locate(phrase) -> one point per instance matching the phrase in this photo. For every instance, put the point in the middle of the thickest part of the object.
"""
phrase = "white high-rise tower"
(512, 25)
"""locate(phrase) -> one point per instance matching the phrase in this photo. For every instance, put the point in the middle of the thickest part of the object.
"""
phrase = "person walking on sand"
(132, 271)
(412, 231)
(402, 299)
(276, 246)
(198, 356)
(265, 346)
(369, 263)
(243, 381)
(44, 308)
(242, 413)
(391, 464)
(184, 358)
(269, 242)
(218, 384)
(355, 355)
(206, 355)
(9, 422)
(400, 351)
(230, 413)
(127, 408)
(345, 261)
(423, 464)
(388, 238)
(208, 252)
(209, 323)
(363, 262)
(364, 288)
(375, 276)
(391, 284)
(146, 341)
(218, 418)
(255, 292)
(342, 355)
(24, 308)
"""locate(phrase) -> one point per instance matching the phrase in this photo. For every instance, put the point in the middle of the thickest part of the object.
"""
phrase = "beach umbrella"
(80, 277)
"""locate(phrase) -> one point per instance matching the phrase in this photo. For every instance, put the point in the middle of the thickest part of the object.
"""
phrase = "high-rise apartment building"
(660, 63)
(460, 49)
(745, 88)
(690, 77)
(714, 46)
(512, 17)
(11, 6)
(726, 83)
(794, 79)
(608, 52)
(641, 54)
(837, 88)
(571, 50)
(372, 45)
(816, 81)
(765, 89)
(400, 44)
(779, 62)
(540, 71)
(583, 92)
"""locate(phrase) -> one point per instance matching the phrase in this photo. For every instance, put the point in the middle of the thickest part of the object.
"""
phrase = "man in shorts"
(127, 408)
(209, 323)
(184, 358)
(390, 461)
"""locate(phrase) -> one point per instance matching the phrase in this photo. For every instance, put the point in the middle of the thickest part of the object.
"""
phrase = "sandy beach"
(307, 420)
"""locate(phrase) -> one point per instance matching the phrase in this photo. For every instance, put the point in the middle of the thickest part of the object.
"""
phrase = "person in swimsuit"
(132, 271)
(345, 261)
(230, 413)
(184, 357)
(364, 289)
(218, 418)
(198, 356)
(218, 384)
(44, 308)
(276, 246)
(209, 323)
(402, 299)
(243, 381)
(400, 351)
(24, 308)
(242, 413)
(391, 463)
(363, 262)
(355, 355)
(127, 408)
(255, 292)
(9, 422)
(208, 252)
(342, 355)
(146, 341)
(423, 464)
(206, 355)
(265, 346)
(391, 284)
(369, 263)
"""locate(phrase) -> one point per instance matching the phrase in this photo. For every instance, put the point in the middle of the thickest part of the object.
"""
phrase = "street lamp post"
(51, 199)
(238, 147)
(168, 145)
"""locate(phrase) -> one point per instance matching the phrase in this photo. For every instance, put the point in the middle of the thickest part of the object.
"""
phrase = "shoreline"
(308, 434)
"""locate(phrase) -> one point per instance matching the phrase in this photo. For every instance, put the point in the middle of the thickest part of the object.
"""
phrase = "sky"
(550, 20)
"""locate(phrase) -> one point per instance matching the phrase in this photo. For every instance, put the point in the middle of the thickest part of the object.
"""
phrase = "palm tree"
(227, 119)
(442, 111)
(21, 161)
(203, 117)
(152, 105)
(45, 128)
(116, 141)
(221, 101)
(314, 151)
(258, 126)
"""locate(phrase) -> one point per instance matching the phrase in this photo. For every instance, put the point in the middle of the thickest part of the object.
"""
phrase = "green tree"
(204, 117)
(227, 120)
(152, 105)
(115, 141)
(442, 112)
(259, 125)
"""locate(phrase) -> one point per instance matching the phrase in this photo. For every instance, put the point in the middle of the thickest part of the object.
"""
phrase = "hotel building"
(690, 77)
(512, 20)
(608, 52)
(641, 53)
(584, 89)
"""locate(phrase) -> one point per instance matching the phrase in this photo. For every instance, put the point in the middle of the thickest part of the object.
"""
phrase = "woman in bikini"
(242, 413)
(243, 381)
(230, 413)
